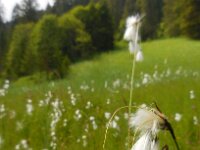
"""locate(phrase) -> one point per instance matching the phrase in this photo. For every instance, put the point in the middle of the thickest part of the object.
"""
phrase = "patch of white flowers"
(195, 120)
(29, 107)
(57, 111)
(77, 115)
(93, 122)
(47, 100)
(178, 117)
(2, 111)
(192, 95)
(5, 87)
(23, 145)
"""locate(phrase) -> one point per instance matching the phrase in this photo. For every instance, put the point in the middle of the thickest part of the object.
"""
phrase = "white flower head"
(148, 122)
(192, 95)
(132, 35)
(145, 120)
(145, 142)
(133, 47)
(132, 23)
(195, 120)
(178, 117)
(139, 56)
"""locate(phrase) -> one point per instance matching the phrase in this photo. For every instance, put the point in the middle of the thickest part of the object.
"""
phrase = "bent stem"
(109, 122)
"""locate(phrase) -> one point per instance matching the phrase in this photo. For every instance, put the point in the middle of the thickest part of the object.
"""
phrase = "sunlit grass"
(104, 81)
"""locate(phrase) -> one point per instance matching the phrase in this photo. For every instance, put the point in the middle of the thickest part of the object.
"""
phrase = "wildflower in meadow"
(132, 36)
(23, 144)
(148, 122)
(107, 115)
(94, 125)
(139, 56)
(77, 115)
(88, 105)
(4, 90)
(2, 111)
(65, 122)
(29, 107)
(56, 115)
(84, 138)
(192, 95)
(195, 120)
(178, 117)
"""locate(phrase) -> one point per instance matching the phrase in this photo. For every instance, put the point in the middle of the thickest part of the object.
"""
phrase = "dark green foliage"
(25, 12)
(190, 21)
(2, 43)
(2, 36)
(116, 8)
(62, 6)
(171, 19)
(46, 43)
(98, 24)
(153, 14)
(17, 51)
(75, 42)
(130, 8)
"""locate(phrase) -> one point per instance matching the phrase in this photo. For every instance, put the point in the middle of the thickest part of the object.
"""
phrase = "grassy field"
(71, 114)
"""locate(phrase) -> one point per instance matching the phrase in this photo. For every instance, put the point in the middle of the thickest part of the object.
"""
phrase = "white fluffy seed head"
(146, 119)
(147, 122)
(139, 56)
(146, 142)
(131, 28)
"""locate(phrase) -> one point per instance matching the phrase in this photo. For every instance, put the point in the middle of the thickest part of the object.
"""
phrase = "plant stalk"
(132, 84)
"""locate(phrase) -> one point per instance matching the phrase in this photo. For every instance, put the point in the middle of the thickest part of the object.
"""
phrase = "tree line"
(50, 40)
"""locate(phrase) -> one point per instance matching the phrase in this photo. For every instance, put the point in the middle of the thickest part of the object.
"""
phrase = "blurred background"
(65, 68)
(49, 35)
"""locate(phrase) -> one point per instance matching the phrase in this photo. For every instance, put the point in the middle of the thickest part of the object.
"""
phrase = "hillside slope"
(72, 113)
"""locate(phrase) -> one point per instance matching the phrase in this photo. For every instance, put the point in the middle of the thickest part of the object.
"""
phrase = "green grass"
(179, 57)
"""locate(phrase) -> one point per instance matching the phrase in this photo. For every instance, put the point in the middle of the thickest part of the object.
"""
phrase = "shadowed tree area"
(82, 29)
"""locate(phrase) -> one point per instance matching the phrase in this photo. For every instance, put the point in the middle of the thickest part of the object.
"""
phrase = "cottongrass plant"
(148, 122)
(131, 34)
(4, 89)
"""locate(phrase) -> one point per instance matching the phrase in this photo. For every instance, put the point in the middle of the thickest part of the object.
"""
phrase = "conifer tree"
(152, 9)
(190, 21)
(171, 17)
(18, 47)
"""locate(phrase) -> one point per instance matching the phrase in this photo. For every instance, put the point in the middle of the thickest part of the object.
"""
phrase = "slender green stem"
(132, 85)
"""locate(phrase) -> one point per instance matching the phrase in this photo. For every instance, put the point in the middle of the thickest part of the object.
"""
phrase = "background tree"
(2, 36)
(75, 42)
(116, 8)
(153, 15)
(46, 43)
(26, 11)
(98, 23)
(171, 17)
(190, 20)
(130, 8)
(18, 47)
(62, 6)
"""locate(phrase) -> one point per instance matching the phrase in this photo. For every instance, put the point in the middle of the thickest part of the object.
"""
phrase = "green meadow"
(72, 113)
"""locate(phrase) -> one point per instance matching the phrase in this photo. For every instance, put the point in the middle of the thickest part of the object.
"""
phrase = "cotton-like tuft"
(139, 56)
(131, 28)
(133, 48)
(146, 142)
(144, 120)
